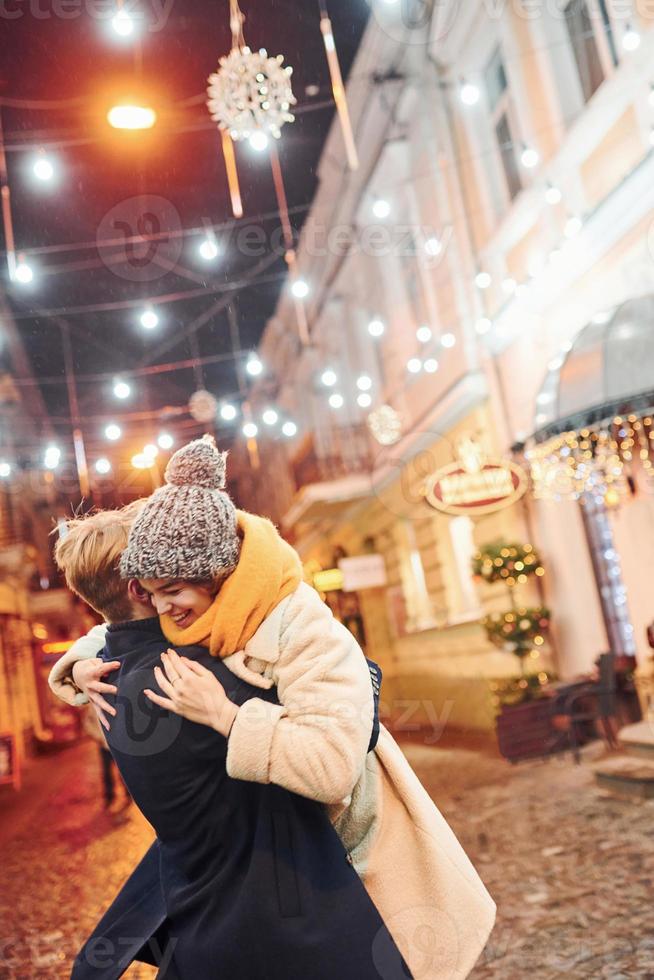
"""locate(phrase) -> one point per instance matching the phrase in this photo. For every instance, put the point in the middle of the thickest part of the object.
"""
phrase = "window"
(499, 101)
(593, 44)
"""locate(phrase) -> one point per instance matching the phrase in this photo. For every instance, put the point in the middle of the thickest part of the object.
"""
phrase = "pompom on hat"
(187, 529)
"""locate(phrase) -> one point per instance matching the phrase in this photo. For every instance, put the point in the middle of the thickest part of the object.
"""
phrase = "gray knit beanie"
(187, 528)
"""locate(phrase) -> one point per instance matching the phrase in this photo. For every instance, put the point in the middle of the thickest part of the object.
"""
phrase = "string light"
(376, 327)
(431, 365)
(448, 340)
(469, 93)
(364, 382)
(289, 429)
(43, 168)
(122, 390)
(208, 249)
(250, 430)
(150, 451)
(23, 273)
(165, 441)
(123, 23)
(300, 289)
(113, 432)
(149, 319)
(254, 367)
(103, 466)
(381, 208)
(414, 365)
(140, 461)
(553, 194)
(336, 400)
(433, 246)
(424, 334)
(483, 280)
(259, 141)
(5, 469)
(227, 412)
(270, 416)
(329, 378)
(631, 39)
(52, 457)
(364, 400)
(530, 157)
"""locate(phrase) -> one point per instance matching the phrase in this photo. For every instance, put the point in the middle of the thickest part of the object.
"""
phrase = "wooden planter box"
(525, 731)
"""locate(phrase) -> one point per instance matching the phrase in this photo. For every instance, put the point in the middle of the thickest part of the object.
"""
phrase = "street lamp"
(131, 117)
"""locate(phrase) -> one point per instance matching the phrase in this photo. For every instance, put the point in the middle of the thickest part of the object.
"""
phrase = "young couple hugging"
(293, 839)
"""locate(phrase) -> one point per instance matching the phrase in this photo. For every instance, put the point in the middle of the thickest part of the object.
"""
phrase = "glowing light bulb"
(553, 194)
(329, 378)
(431, 365)
(113, 432)
(336, 400)
(381, 208)
(483, 280)
(208, 249)
(150, 451)
(364, 382)
(289, 429)
(364, 400)
(300, 289)
(631, 39)
(254, 367)
(250, 430)
(414, 365)
(123, 23)
(258, 141)
(469, 93)
(376, 327)
(433, 246)
(122, 390)
(448, 340)
(530, 157)
(228, 412)
(165, 441)
(103, 466)
(270, 416)
(424, 334)
(131, 117)
(23, 273)
(43, 168)
(5, 469)
(149, 319)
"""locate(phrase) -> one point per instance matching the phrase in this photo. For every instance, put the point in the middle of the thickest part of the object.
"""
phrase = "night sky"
(101, 174)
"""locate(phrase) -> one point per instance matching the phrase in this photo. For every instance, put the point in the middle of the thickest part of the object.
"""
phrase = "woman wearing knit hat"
(225, 580)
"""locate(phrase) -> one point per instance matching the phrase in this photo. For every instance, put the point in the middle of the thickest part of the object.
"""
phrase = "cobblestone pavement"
(571, 870)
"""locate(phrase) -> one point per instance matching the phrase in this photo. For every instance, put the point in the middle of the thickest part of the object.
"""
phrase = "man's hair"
(88, 552)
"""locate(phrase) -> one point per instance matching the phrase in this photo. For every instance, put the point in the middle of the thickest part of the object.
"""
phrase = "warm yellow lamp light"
(131, 117)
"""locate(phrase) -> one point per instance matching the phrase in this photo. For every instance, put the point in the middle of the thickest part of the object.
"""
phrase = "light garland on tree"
(602, 460)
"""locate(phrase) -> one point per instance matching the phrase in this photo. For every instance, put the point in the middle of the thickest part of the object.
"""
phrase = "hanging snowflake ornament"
(203, 406)
(251, 93)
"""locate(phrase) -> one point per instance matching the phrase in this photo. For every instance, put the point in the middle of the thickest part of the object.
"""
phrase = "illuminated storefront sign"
(457, 490)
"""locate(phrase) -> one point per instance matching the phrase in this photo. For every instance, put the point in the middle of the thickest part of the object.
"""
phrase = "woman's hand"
(193, 692)
(88, 675)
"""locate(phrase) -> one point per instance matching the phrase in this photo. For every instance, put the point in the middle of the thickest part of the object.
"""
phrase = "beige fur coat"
(314, 743)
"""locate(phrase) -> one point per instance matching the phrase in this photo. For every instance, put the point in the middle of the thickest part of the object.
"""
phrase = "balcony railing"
(333, 454)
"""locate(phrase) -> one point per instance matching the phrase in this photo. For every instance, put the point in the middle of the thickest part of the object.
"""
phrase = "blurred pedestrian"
(113, 802)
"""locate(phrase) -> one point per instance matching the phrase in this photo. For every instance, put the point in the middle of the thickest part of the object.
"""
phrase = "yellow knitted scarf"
(268, 570)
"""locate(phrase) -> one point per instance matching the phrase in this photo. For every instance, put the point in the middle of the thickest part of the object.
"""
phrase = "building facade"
(463, 280)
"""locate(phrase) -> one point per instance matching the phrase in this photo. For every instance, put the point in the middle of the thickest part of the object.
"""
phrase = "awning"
(608, 371)
(322, 501)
